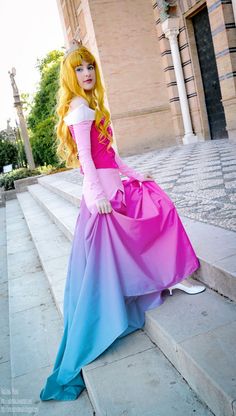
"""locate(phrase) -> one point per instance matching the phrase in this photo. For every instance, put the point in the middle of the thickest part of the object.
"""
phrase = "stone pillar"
(18, 105)
(224, 46)
(234, 9)
(170, 28)
(62, 12)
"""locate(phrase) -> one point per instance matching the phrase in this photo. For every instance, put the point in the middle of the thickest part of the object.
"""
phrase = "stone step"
(134, 378)
(5, 362)
(62, 212)
(135, 359)
(221, 314)
(197, 333)
(36, 326)
(216, 250)
(52, 246)
(69, 191)
(214, 246)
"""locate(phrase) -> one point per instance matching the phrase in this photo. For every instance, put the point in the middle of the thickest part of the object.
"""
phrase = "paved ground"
(200, 178)
(5, 365)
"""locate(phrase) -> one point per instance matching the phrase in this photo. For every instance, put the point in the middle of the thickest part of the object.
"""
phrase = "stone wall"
(122, 36)
(137, 68)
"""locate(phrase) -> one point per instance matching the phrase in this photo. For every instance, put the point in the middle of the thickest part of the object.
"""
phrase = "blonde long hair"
(69, 88)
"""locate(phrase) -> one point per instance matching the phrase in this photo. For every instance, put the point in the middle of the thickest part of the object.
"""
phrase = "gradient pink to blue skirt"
(118, 266)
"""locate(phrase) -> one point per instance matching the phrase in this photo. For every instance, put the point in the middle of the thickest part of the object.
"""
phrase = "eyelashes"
(89, 67)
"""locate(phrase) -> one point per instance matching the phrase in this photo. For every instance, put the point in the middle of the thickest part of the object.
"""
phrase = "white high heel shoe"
(189, 288)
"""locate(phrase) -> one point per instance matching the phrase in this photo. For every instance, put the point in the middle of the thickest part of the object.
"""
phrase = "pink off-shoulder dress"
(101, 166)
(120, 262)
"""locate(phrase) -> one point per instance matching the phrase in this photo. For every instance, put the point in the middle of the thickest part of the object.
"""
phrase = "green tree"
(8, 152)
(44, 143)
(42, 119)
(26, 101)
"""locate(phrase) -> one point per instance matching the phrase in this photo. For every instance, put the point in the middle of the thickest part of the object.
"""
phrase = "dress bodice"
(100, 166)
(102, 157)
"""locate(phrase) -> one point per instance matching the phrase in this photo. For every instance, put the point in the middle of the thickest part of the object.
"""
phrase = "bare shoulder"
(77, 101)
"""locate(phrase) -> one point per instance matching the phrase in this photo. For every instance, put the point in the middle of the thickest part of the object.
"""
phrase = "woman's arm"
(81, 118)
(82, 137)
(128, 171)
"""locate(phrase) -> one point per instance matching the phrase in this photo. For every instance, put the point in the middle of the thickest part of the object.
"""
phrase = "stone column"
(170, 28)
(18, 105)
(234, 9)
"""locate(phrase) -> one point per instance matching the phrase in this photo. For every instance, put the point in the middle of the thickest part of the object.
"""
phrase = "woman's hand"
(103, 206)
(148, 177)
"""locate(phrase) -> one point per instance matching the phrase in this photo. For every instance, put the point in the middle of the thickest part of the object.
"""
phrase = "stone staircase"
(32, 323)
(184, 361)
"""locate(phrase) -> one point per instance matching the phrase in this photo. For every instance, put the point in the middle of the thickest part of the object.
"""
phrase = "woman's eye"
(80, 69)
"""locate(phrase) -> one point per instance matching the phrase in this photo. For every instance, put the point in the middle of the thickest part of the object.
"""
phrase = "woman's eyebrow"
(82, 65)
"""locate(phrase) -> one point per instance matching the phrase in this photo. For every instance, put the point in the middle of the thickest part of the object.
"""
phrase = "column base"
(232, 135)
(190, 138)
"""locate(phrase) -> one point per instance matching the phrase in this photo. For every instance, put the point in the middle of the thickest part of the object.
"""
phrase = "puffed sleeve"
(127, 170)
(81, 119)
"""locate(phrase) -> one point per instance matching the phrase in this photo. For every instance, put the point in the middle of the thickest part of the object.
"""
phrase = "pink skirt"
(119, 265)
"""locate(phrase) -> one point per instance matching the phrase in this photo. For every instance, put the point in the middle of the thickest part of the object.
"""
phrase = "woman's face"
(86, 75)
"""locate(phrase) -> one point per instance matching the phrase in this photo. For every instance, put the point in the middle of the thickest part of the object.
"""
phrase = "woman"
(129, 243)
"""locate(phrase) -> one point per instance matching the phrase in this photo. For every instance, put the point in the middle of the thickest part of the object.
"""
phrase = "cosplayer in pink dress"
(120, 262)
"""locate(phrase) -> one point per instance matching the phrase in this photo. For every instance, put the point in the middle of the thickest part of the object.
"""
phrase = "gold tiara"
(75, 45)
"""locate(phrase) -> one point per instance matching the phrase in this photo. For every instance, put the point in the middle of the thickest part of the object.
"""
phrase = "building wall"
(224, 38)
(122, 36)
(137, 68)
(223, 32)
